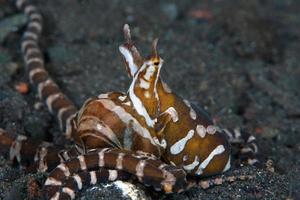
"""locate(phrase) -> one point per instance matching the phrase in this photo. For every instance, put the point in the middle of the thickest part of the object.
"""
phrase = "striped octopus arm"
(48, 91)
(148, 170)
(33, 155)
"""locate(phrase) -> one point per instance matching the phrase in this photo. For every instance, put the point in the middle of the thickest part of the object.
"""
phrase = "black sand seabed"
(238, 59)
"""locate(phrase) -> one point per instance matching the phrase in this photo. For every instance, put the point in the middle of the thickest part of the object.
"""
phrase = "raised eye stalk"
(154, 48)
(127, 35)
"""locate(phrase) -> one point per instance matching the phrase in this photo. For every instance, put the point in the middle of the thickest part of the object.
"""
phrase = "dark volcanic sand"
(237, 59)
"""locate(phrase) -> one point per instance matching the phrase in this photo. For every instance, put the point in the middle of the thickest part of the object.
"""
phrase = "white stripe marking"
(101, 162)
(31, 35)
(55, 196)
(103, 96)
(129, 59)
(31, 51)
(162, 143)
(254, 147)
(36, 25)
(51, 98)
(201, 130)
(20, 3)
(52, 181)
(68, 131)
(65, 156)
(139, 107)
(27, 42)
(127, 119)
(149, 72)
(162, 166)
(251, 139)
(218, 150)
(128, 103)
(29, 9)
(187, 103)
(119, 161)
(60, 114)
(137, 103)
(35, 59)
(93, 178)
(144, 84)
(78, 180)
(180, 144)
(140, 169)
(122, 98)
(64, 169)
(193, 114)
(113, 175)
(173, 113)
(69, 192)
(35, 71)
(192, 166)
(82, 162)
(37, 16)
(167, 89)
(246, 150)
(228, 133)
(227, 166)
(185, 158)
(106, 130)
(237, 133)
(91, 122)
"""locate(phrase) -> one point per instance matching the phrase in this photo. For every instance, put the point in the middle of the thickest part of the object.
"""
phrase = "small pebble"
(38, 105)
(270, 167)
(22, 87)
(204, 184)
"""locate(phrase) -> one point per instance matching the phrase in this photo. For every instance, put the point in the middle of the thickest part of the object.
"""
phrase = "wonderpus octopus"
(148, 133)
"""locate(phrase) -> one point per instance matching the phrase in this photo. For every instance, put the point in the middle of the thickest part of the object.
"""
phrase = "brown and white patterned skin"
(147, 169)
(149, 133)
(162, 123)
(110, 120)
(186, 135)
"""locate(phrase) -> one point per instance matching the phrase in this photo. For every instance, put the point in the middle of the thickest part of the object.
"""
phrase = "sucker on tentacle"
(148, 133)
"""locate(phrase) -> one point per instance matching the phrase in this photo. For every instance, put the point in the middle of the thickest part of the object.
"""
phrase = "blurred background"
(237, 59)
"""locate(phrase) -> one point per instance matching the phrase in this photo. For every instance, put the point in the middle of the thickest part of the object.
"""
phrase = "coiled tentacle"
(57, 102)
(78, 181)
(148, 170)
(245, 143)
(33, 155)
